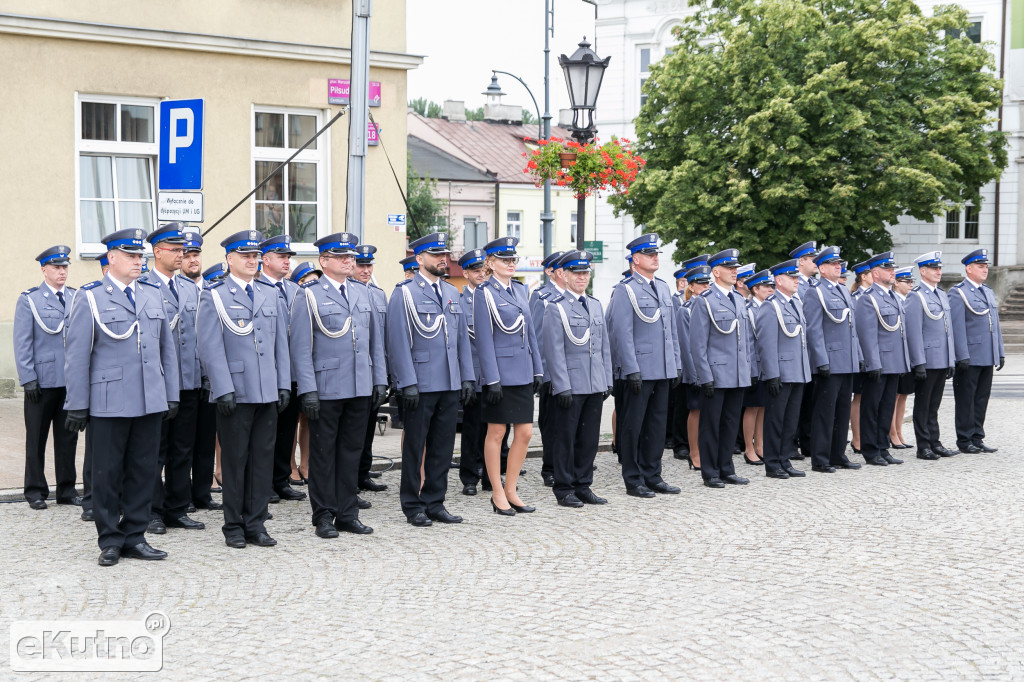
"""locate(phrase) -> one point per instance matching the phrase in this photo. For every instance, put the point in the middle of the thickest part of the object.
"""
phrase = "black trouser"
(334, 450)
(431, 426)
(877, 404)
(720, 416)
(971, 390)
(678, 417)
(204, 453)
(284, 443)
(574, 433)
(543, 423)
(366, 451)
(830, 419)
(640, 432)
(124, 462)
(177, 436)
(38, 418)
(781, 425)
(474, 433)
(927, 399)
(247, 460)
(802, 436)
(87, 470)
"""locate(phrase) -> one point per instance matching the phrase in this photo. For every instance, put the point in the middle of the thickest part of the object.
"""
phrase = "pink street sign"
(338, 90)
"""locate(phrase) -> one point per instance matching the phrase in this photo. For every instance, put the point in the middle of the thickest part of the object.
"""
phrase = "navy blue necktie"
(341, 288)
(131, 297)
(60, 297)
(248, 290)
(437, 292)
(174, 292)
(583, 302)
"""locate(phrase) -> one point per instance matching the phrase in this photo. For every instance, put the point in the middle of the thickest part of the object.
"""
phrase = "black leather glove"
(76, 420)
(226, 405)
(468, 393)
(283, 396)
(949, 372)
(410, 397)
(675, 382)
(172, 411)
(774, 386)
(537, 383)
(961, 365)
(874, 375)
(32, 391)
(1002, 363)
(709, 389)
(607, 392)
(863, 368)
(754, 381)
(564, 399)
(379, 395)
(920, 373)
(309, 403)
(492, 394)
(204, 390)
(635, 382)
(825, 371)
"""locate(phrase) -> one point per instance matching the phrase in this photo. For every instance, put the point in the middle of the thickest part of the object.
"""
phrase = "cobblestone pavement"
(908, 572)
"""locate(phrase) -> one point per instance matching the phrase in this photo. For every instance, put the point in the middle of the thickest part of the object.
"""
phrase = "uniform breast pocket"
(326, 365)
(46, 368)
(426, 308)
(105, 393)
(504, 352)
(420, 356)
(643, 348)
(116, 315)
(787, 357)
(455, 308)
(381, 308)
(723, 318)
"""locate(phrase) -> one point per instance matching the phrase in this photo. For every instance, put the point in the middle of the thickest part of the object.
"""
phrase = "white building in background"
(638, 33)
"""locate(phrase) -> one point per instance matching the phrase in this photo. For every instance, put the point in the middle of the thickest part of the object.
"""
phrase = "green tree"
(427, 213)
(426, 108)
(475, 114)
(529, 118)
(775, 122)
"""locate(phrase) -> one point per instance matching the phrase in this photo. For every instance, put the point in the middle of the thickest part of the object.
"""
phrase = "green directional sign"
(597, 249)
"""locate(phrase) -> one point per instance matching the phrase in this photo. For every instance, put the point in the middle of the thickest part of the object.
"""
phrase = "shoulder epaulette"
(593, 298)
(516, 281)
(308, 284)
(70, 288)
(544, 296)
(356, 281)
(29, 291)
(917, 287)
(373, 286)
(706, 292)
(403, 282)
(627, 279)
(659, 279)
(183, 278)
(214, 285)
(558, 298)
(152, 284)
(813, 282)
(91, 285)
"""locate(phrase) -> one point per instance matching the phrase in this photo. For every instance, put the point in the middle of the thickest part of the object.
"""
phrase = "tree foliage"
(427, 213)
(775, 122)
(426, 108)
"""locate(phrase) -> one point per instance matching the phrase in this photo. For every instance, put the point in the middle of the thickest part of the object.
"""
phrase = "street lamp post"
(583, 71)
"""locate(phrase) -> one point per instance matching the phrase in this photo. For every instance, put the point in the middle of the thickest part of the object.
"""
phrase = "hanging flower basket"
(584, 169)
(567, 159)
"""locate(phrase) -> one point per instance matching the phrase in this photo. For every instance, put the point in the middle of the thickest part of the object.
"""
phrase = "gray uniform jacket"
(683, 316)
(181, 312)
(581, 368)
(130, 377)
(380, 308)
(288, 289)
(438, 360)
(466, 297)
(39, 346)
(245, 351)
(782, 343)
(883, 349)
(720, 338)
(831, 328)
(752, 306)
(929, 334)
(337, 368)
(538, 301)
(975, 316)
(511, 359)
(648, 347)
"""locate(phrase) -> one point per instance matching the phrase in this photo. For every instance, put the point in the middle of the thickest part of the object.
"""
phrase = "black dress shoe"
(640, 491)
(363, 504)
(354, 526)
(942, 451)
(927, 454)
(714, 483)
(87, 515)
(662, 487)
(849, 465)
(374, 474)
(37, 504)
(469, 489)
(325, 529)
(211, 505)
(421, 520)
(776, 473)
(970, 449)
(269, 516)
(985, 448)
(190, 509)
(235, 541)
(588, 497)
(890, 459)
(75, 501)
(372, 485)
(797, 456)
(184, 522)
(261, 539)
(110, 556)
(681, 454)
(445, 516)
(878, 461)
(143, 551)
(274, 498)
(549, 479)
(291, 494)
(794, 472)
(570, 501)
(156, 527)
(827, 469)
(735, 480)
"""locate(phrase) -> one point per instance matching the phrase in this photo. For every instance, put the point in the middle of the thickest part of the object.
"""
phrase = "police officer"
(761, 285)
(172, 493)
(645, 353)
(555, 286)
(720, 335)
(785, 368)
(578, 359)
(882, 334)
(215, 273)
(978, 341)
(805, 255)
(40, 318)
(835, 357)
(121, 379)
(471, 461)
(676, 435)
(104, 264)
(409, 266)
(432, 367)
(698, 279)
(243, 342)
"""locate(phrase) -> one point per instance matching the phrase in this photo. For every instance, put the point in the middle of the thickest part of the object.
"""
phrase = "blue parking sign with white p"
(181, 144)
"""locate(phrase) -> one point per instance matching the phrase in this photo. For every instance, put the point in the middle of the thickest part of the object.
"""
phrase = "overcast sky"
(463, 40)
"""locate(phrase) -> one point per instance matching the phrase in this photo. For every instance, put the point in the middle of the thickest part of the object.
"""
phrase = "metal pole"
(547, 218)
(581, 225)
(357, 126)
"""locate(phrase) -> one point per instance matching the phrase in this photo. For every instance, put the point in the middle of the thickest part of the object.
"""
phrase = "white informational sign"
(397, 221)
(184, 207)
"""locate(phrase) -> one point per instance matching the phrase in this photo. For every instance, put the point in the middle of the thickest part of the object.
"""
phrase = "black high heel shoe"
(522, 509)
(689, 462)
(504, 512)
(755, 462)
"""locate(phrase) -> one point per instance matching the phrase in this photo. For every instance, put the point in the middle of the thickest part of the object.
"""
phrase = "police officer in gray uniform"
(720, 338)
(881, 331)
(555, 286)
(805, 255)
(243, 342)
(474, 431)
(172, 493)
(978, 341)
(337, 355)
(645, 353)
(120, 365)
(785, 368)
(835, 358)
(40, 318)
(432, 367)
(578, 358)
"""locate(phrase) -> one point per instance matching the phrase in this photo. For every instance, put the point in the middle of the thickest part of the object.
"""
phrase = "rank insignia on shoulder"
(308, 284)
(29, 291)
(90, 285)
(558, 299)
(152, 284)
(214, 285)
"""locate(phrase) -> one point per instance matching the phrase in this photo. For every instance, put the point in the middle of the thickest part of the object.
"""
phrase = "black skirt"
(858, 383)
(906, 385)
(754, 396)
(516, 406)
(694, 394)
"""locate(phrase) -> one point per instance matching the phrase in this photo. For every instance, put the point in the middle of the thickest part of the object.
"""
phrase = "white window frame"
(113, 148)
(518, 224)
(320, 156)
(961, 226)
